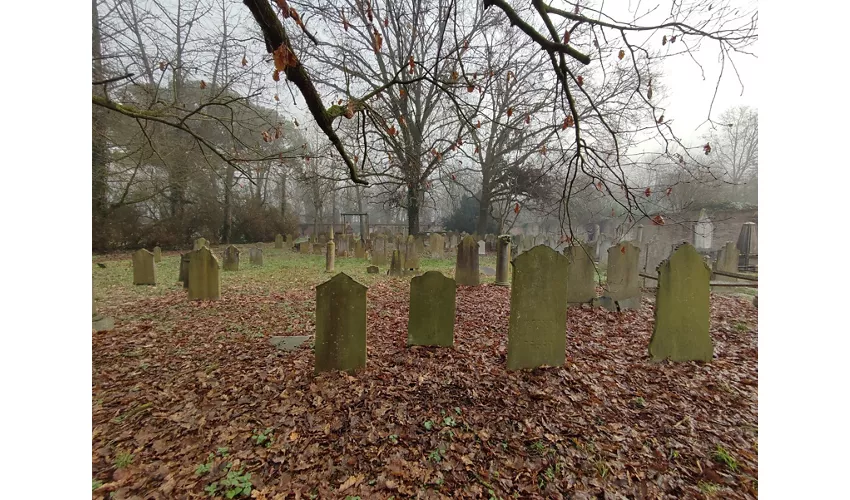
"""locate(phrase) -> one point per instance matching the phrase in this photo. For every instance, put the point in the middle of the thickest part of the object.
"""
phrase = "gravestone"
(157, 254)
(204, 280)
(503, 259)
(395, 264)
(231, 258)
(289, 242)
(682, 308)
(372, 269)
(144, 269)
(466, 267)
(340, 325)
(727, 261)
(184, 269)
(411, 254)
(255, 256)
(99, 322)
(747, 244)
(278, 241)
(537, 325)
(330, 255)
(581, 281)
(432, 310)
(359, 251)
(623, 286)
(419, 244)
(379, 252)
(304, 247)
(288, 344)
(703, 232)
(318, 248)
(482, 247)
(200, 242)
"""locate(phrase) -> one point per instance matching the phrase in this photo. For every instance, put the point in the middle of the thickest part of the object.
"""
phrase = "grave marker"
(204, 280)
(278, 241)
(432, 310)
(340, 325)
(466, 267)
(231, 258)
(157, 254)
(623, 284)
(581, 281)
(255, 256)
(144, 269)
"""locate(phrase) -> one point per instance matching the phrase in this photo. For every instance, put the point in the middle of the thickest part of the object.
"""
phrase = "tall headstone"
(411, 254)
(255, 256)
(703, 232)
(278, 241)
(330, 255)
(340, 325)
(359, 251)
(503, 259)
(432, 310)
(204, 279)
(466, 267)
(231, 258)
(289, 242)
(379, 250)
(395, 264)
(747, 243)
(482, 247)
(144, 269)
(537, 327)
(682, 308)
(727, 261)
(157, 254)
(623, 286)
(184, 269)
(581, 281)
(419, 244)
(200, 242)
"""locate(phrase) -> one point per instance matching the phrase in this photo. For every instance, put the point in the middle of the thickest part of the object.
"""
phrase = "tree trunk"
(412, 209)
(227, 227)
(283, 192)
(360, 210)
(98, 143)
(483, 211)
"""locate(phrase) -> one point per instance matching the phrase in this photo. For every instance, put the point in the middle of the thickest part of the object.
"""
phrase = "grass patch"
(722, 456)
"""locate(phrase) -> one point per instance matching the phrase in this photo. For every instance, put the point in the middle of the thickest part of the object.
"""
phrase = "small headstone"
(255, 256)
(727, 261)
(379, 250)
(100, 323)
(304, 247)
(289, 241)
(278, 241)
(623, 282)
(204, 280)
(435, 246)
(703, 232)
(372, 269)
(482, 247)
(184, 269)
(359, 251)
(466, 267)
(503, 259)
(682, 308)
(200, 242)
(231, 258)
(157, 254)
(432, 310)
(288, 344)
(144, 269)
(340, 325)
(537, 325)
(581, 281)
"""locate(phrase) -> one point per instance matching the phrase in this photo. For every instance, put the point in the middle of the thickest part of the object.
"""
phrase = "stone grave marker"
(144, 269)
(581, 281)
(204, 279)
(503, 259)
(372, 269)
(411, 254)
(703, 232)
(318, 248)
(255, 256)
(330, 255)
(304, 247)
(623, 281)
(99, 322)
(395, 264)
(278, 241)
(466, 267)
(537, 325)
(359, 251)
(288, 344)
(231, 258)
(184, 269)
(200, 242)
(157, 254)
(289, 242)
(340, 325)
(727, 261)
(379, 251)
(682, 308)
(482, 247)
(432, 310)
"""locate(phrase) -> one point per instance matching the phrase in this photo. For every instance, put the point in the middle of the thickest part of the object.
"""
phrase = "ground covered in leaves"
(190, 400)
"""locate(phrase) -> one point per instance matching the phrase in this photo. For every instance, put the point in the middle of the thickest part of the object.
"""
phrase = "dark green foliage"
(465, 218)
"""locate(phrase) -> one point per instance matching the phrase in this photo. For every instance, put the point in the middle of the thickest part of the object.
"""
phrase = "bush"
(465, 218)
(254, 222)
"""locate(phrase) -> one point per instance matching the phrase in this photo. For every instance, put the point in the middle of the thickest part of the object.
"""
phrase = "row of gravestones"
(536, 332)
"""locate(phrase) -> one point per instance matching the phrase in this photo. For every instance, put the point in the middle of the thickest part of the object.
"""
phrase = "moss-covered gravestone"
(157, 254)
(537, 326)
(727, 261)
(184, 269)
(432, 310)
(304, 247)
(359, 251)
(231, 258)
(200, 242)
(411, 253)
(682, 308)
(466, 267)
(204, 280)
(395, 264)
(289, 242)
(503, 259)
(581, 280)
(623, 286)
(144, 269)
(340, 325)
(278, 241)
(379, 251)
(255, 256)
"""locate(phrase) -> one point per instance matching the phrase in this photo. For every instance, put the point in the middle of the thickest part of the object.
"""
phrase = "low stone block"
(289, 343)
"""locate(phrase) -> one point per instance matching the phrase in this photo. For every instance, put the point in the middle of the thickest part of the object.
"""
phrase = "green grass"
(723, 456)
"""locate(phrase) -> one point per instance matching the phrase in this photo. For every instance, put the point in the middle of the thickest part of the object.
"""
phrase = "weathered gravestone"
(200, 242)
(727, 261)
(395, 264)
(703, 232)
(231, 258)
(503, 259)
(437, 246)
(318, 248)
(99, 322)
(290, 343)
(330, 254)
(144, 269)
(682, 308)
(255, 256)
(419, 244)
(359, 251)
(204, 280)
(184, 269)
(278, 241)
(340, 324)
(379, 251)
(411, 254)
(304, 247)
(482, 247)
(537, 326)
(157, 254)
(466, 267)
(289, 242)
(623, 286)
(372, 269)
(581, 281)
(432, 310)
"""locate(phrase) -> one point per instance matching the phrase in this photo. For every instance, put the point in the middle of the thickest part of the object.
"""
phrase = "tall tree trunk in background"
(100, 173)
(360, 210)
(227, 228)
(413, 198)
(283, 192)
(483, 209)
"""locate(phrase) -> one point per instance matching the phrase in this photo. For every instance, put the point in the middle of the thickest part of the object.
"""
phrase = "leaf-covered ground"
(190, 400)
